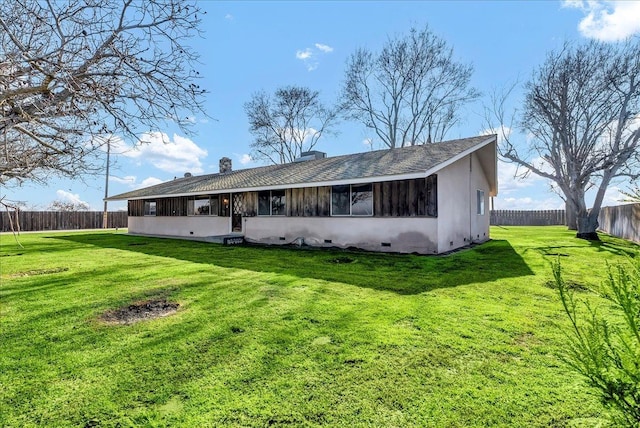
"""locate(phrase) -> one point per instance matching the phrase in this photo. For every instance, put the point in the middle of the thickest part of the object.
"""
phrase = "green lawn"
(293, 337)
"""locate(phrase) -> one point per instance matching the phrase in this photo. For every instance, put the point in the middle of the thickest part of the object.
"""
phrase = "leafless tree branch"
(288, 124)
(411, 92)
(73, 71)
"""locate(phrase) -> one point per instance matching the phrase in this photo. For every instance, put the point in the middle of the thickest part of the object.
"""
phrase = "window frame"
(191, 208)
(350, 200)
(431, 196)
(480, 209)
(332, 214)
(149, 212)
(282, 196)
(262, 195)
(269, 194)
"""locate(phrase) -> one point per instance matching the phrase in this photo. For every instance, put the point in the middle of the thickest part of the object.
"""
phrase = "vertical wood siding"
(406, 198)
(400, 198)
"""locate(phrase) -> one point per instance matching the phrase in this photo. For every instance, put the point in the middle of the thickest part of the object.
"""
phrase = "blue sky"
(253, 46)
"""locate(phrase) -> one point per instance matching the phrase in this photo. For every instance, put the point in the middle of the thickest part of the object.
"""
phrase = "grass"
(285, 337)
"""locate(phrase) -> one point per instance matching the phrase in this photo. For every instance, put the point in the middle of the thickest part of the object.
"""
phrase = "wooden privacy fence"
(622, 221)
(528, 218)
(61, 220)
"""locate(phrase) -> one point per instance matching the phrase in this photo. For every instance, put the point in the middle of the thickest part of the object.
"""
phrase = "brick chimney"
(225, 165)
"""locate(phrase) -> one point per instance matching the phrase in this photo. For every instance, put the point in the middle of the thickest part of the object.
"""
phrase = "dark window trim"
(350, 201)
(192, 199)
(281, 194)
(480, 209)
(147, 213)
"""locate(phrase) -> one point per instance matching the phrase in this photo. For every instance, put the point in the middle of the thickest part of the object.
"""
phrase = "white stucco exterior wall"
(479, 222)
(453, 205)
(458, 222)
(404, 234)
(194, 226)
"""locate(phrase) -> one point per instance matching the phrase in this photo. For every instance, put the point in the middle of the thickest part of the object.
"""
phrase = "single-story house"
(427, 199)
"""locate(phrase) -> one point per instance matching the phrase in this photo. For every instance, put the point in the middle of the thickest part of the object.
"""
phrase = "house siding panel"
(250, 204)
(135, 208)
(324, 201)
(171, 207)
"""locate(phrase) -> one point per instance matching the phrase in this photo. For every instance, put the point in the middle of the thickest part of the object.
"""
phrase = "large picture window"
(340, 204)
(203, 205)
(149, 207)
(353, 200)
(272, 202)
(362, 200)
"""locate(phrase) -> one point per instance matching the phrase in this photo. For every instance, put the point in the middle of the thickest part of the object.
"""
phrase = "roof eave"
(362, 180)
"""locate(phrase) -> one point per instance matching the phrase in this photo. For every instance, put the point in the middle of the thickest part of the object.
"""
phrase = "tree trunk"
(570, 215)
(587, 226)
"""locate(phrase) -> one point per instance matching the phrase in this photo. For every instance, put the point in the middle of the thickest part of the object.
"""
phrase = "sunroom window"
(149, 207)
(278, 202)
(353, 200)
(272, 202)
(340, 204)
(362, 200)
(203, 205)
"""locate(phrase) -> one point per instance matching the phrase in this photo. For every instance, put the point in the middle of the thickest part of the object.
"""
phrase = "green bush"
(607, 351)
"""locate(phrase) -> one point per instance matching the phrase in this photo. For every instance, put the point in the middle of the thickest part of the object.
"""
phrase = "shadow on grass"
(619, 249)
(402, 274)
(607, 244)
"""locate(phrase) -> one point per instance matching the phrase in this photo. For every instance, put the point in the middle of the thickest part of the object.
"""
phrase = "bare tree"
(632, 195)
(582, 113)
(71, 206)
(287, 124)
(72, 73)
(411, 92)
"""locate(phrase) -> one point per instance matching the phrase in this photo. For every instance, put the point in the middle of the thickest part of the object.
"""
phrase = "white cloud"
(367, 142)
(149, 181)
(607, 20)
(309, 56)
(228, 17)
(180, 155)
(512, 177)
(129, 179)
(503, 132)
(245, 159)
(324, 48)
(528, 203)
(70, 197)
(612, 196)
(305, 54)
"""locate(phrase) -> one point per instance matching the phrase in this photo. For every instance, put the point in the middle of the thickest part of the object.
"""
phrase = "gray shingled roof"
(380, 163)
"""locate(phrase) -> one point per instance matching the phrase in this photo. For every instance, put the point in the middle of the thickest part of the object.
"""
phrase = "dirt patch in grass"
(147, 310)
(571, 285)
(39, 272)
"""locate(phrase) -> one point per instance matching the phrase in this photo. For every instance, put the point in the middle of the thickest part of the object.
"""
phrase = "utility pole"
(106, 186)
